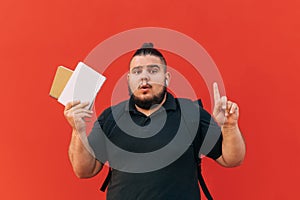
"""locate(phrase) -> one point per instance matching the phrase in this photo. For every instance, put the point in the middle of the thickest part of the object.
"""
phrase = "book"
(61, 78)
(83, 85)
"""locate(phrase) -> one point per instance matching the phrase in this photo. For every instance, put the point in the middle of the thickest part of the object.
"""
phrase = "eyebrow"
(153, 65)
(148, 66)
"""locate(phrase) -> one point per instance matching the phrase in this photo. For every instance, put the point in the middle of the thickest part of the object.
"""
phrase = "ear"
(167, 78)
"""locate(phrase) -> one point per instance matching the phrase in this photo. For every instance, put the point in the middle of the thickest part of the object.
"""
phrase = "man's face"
(147, 80)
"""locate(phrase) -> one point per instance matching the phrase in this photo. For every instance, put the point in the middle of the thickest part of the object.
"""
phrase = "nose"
(145, 76)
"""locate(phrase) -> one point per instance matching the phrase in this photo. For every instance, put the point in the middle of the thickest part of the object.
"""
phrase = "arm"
(226, 114)
(233, 148)
(80, 153)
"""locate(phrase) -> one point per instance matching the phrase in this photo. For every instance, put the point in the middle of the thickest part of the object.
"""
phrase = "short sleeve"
(211, 136)
(97, 139)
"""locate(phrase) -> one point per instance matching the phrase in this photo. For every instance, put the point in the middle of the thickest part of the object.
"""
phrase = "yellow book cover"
(61, 78)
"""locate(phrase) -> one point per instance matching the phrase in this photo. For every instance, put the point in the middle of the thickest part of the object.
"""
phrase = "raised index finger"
(216, 92)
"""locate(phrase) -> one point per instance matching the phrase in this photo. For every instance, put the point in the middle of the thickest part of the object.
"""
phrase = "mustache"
(144, 85)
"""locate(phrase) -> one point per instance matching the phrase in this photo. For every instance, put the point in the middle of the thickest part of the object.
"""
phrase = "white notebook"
(83, 85)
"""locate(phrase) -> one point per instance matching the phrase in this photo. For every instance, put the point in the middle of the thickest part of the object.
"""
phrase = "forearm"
(83, 161)
(233, 147)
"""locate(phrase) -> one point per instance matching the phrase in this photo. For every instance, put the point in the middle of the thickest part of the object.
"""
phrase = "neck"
(154, 108)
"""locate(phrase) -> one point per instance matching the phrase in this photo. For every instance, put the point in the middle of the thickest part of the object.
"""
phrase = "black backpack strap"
(106, 181)
(107, 126)
(187, 118)
(202, 183)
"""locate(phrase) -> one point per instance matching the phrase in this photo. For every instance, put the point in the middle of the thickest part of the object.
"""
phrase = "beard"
(148, 103)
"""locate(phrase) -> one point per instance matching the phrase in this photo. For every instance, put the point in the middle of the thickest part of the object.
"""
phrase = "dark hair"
(147, 49)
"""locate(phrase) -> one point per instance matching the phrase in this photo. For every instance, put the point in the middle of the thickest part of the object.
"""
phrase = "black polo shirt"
(177, 180)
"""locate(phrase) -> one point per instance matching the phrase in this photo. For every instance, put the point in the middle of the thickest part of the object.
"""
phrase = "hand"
(225, 112)
(75, 113)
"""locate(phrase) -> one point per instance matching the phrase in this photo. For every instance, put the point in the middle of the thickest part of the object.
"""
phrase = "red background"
(255, 45)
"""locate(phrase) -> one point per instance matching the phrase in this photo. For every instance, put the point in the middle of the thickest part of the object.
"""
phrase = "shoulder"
(190, 105)
(193, 108)
(115, 109)
(197, 103)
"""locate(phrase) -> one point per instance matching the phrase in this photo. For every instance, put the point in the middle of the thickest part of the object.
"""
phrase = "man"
(149, 103)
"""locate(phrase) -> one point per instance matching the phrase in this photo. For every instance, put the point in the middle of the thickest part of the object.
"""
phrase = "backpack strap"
(202, 183)
(188, 116)
(106, 181)
(117, 112)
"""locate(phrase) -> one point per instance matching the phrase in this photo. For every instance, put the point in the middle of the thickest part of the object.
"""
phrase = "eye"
(136, 71)
(153, 70)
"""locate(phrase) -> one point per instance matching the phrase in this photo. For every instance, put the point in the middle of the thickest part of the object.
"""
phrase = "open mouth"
(145, 88)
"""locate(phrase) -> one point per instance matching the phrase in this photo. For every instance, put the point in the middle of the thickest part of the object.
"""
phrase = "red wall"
(255, 45)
